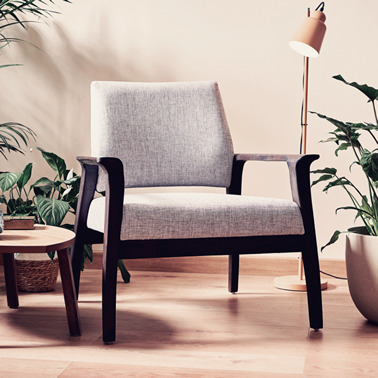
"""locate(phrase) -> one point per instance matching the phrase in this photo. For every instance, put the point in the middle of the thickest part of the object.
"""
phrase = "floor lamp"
(307, 41)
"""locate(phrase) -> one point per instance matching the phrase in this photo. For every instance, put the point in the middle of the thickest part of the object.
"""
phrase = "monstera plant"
(362, 140)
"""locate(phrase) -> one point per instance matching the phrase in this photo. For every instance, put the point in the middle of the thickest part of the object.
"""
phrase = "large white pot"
(361, 255)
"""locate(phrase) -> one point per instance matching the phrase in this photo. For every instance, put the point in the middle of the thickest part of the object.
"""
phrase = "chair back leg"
(314, 293)
(233, 273)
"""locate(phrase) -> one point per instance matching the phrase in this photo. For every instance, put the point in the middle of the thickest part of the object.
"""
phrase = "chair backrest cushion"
(166, 134)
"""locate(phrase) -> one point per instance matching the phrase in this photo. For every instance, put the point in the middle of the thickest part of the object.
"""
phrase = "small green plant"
(48, 200)
(348, 135)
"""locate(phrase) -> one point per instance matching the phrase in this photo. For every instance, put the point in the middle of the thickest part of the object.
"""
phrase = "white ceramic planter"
(361, 255)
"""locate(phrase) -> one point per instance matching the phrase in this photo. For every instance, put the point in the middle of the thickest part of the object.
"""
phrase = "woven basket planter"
(37, 275)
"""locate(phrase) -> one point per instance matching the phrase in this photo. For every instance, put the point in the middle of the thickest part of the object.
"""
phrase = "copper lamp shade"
(308, 39)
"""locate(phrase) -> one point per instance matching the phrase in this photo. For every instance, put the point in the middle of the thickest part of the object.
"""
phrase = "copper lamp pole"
(307, 41)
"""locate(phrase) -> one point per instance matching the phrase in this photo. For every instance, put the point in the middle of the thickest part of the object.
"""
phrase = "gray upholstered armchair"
(176, 134)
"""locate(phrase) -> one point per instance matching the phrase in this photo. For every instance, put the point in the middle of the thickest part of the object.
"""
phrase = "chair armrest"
(274, 157)
(113, 167)
(296, 163)
(299, 171)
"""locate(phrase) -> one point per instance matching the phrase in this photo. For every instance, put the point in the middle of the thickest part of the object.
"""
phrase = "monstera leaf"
(51, 210)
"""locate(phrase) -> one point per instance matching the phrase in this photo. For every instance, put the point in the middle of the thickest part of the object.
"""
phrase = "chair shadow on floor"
(159, 321)
(39, 325)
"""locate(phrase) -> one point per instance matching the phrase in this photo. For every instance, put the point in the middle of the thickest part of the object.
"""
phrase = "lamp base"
(294, 283)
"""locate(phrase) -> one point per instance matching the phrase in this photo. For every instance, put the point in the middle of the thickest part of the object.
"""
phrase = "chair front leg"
(109, 290)
(112, 232)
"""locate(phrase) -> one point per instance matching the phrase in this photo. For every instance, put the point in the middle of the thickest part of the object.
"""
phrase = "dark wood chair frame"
(114, 248)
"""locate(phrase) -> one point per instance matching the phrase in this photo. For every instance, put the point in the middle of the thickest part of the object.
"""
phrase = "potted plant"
(48, 201)
(361, 241)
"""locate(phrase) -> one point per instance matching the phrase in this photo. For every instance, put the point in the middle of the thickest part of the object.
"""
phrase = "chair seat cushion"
(200, 215)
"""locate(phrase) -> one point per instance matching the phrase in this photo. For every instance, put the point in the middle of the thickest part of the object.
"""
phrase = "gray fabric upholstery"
(200, 215)
(166, 134)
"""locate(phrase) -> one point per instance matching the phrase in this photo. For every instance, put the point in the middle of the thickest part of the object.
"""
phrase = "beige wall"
(242, 44)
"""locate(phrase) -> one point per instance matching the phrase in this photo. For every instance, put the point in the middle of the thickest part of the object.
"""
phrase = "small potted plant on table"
(47, 202)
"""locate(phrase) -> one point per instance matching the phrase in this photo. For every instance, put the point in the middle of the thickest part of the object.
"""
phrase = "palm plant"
(354, 136)
(12, 14)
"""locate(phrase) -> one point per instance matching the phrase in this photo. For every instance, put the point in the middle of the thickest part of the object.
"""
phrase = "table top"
(41, 239)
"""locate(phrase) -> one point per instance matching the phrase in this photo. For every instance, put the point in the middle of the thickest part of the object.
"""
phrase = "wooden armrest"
(299, 171)
(100, 160)
(114, 188)
(290, 158)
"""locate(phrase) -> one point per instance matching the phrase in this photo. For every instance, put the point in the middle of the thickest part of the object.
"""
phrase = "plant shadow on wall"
(60, 75)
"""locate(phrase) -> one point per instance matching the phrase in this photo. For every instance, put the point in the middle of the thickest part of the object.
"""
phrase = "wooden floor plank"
(187, 324)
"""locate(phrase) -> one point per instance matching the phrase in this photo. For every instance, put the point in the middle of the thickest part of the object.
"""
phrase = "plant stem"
(372, 135)
(357, 205)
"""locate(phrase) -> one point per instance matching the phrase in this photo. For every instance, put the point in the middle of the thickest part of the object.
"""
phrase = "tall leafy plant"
(362, 139)
(15, 14)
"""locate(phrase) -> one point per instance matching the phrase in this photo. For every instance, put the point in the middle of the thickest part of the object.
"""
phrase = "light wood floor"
(187, 324)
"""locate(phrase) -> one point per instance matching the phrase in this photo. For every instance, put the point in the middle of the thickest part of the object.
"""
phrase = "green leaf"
(342, 147)
(363, 126)
(333, 239)
(369, 163)
(345, 132)
(25, 176)
(43, 187)
(339, 182)
(124, 272)
(368, 91)
(322, 178)
(359, 210)
(359, 230)
(51, 255)
(8, 180)
(330, 171)
(17, 206)
(51, 210)
(12, 134)
(54, 161)
(43, 181)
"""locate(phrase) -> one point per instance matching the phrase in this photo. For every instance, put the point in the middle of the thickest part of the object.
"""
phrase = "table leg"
(10, 280)
(69, 292)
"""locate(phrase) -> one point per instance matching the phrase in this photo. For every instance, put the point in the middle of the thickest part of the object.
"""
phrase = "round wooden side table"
(41, 239)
